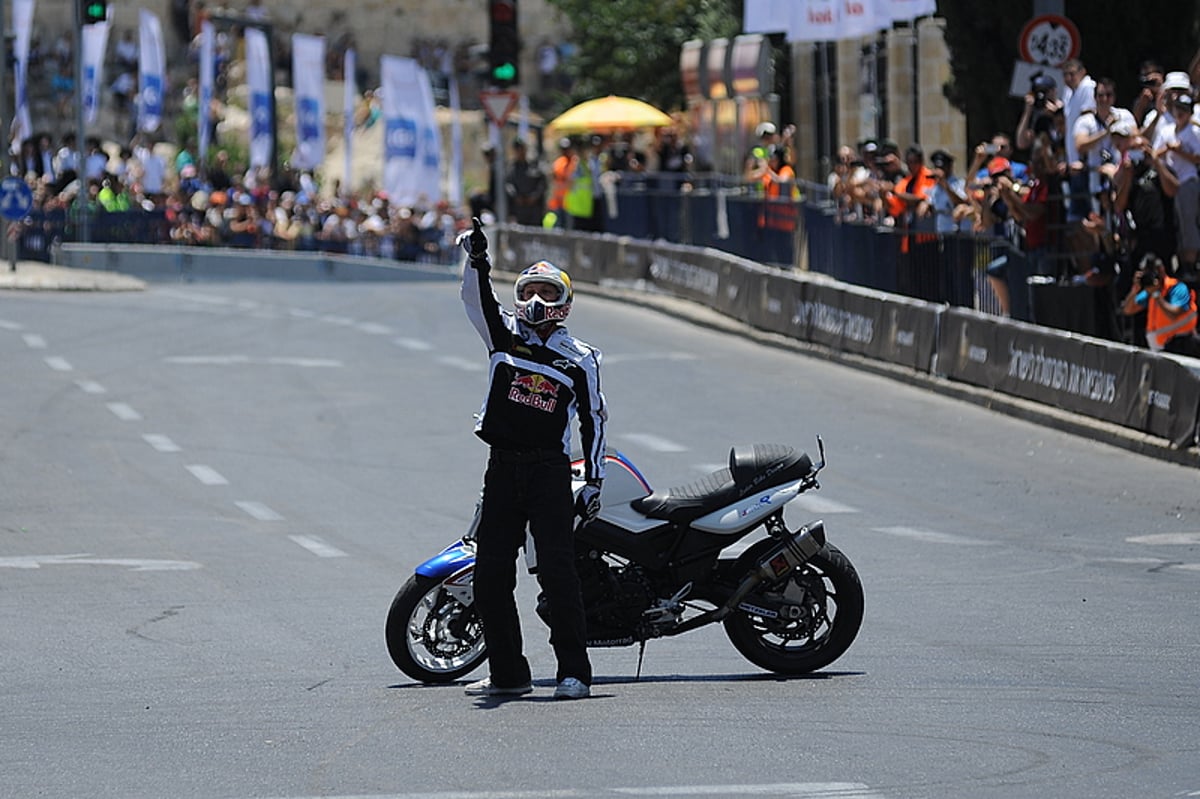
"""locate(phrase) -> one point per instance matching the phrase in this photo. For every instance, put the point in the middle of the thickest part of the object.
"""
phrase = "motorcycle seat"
(751, 469)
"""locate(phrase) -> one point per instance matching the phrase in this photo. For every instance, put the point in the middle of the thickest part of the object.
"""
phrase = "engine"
(616, 597)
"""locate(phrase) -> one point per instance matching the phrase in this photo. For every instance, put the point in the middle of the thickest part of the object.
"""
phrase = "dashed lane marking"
(161, 442)
(124, 412)
(1166, 539)
(207, 475)
(653, 442)
(318, 546)
(414, 344)
(794, 790)
(259, 511)
(59, 364)
(931, 536)
(466, 364)
(91, 387)
(34, 342)
(7, 325)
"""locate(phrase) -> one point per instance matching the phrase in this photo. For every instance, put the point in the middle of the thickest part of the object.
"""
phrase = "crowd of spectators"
(1103, 193)
(222, 205)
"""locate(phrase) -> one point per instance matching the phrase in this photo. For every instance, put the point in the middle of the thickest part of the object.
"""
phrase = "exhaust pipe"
(792, 552)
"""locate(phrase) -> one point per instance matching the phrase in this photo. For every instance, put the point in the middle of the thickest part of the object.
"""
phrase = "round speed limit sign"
(1049, 39)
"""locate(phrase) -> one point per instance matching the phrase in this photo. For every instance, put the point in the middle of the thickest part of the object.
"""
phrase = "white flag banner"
(95, 42)
(863, 18)
(207, 78)
(22, 12)
(258, 80)
(400, 78)
(907, 10)
(308, 78)
(431, 142)
(814, 21)
(152, 72)
(767, 16)
(349, 101)
(454, 191)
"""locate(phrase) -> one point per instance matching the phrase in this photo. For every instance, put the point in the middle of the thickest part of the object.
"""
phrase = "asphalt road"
(212, 491)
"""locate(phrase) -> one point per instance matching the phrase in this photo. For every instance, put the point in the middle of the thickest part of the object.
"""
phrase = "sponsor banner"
(207, 80)
(259, 84)
(403, 115)
(22, 13)
(152, 71)
(95, 41)
(308, 80)
(1127, 386)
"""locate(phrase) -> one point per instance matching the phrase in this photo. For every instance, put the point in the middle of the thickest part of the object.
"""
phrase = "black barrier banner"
(868, 323)
(1120, 384)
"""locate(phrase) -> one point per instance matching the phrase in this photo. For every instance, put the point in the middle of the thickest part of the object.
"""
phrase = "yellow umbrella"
(609, 115)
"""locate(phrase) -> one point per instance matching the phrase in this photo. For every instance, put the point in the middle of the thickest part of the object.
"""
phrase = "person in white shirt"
(1078, 96)
(1182, 156)
(1091, 134)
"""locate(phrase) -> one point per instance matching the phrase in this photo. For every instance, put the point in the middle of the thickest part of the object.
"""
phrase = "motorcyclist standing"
(541, 377)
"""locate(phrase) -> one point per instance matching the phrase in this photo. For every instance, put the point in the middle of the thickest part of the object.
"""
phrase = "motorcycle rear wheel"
(431, 636)
(827, 596)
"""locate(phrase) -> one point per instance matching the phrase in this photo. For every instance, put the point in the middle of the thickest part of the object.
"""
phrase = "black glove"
(475, 242)
(587, 504)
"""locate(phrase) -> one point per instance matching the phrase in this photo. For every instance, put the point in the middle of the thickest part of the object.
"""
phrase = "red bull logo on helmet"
(535, 391)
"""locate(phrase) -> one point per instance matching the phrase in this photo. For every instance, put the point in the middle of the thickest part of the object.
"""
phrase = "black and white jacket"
(535, 388)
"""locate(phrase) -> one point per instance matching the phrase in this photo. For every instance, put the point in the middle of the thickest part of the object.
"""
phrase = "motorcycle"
(652, 565)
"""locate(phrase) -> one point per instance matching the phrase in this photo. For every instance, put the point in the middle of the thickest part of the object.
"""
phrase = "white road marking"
(6, 325)
(337, 320)
(85, 559)
(34, 341)
(653, 442)
(91, 387)
(817, 504)
(124, 412)
(375, 329)
(415, 344)
(648, 356)
(466, 364)
(318, 546)
(931, 537)
(161, 443)
(59, 364)
(240, 360)
(796, 790)
(1166, 539)
(207, 475)
(302, 313)
(259, 511)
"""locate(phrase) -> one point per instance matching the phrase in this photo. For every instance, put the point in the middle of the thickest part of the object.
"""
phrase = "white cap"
(1177, 80)
(764, 129)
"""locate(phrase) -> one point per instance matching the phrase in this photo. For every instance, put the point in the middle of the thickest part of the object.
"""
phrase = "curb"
(37, 276)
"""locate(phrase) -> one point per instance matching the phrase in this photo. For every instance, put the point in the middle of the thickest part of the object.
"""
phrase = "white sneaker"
(484, 687)
(571, 688)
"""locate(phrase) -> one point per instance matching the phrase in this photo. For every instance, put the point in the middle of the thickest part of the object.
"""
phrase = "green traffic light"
(95, 12)
(506, 71)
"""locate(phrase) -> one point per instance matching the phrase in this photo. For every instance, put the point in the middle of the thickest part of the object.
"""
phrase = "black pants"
(520, 490)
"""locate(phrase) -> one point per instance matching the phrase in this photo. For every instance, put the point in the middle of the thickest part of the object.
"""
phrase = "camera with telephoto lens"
(1149, 276)
(1041, 86)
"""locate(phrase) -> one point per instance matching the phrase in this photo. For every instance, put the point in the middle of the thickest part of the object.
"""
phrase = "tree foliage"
(631, 47)
(1116, 37)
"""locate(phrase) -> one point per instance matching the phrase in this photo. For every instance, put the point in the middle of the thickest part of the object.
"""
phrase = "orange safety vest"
(779, 210)
(1160, 326)
(564, 175)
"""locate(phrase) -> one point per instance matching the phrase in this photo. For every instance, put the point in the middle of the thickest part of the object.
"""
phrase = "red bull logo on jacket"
(535, 391)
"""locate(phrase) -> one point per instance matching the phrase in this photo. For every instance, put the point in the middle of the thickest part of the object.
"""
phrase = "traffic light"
(505, 46)
(94, 11)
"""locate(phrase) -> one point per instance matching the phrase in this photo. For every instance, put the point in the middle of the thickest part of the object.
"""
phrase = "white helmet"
(536, 310)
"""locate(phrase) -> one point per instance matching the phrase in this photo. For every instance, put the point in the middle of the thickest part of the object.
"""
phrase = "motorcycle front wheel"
(431, 636)
(820, 608)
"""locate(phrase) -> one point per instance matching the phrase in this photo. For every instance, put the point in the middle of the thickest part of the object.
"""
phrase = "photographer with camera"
(1170, 308)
